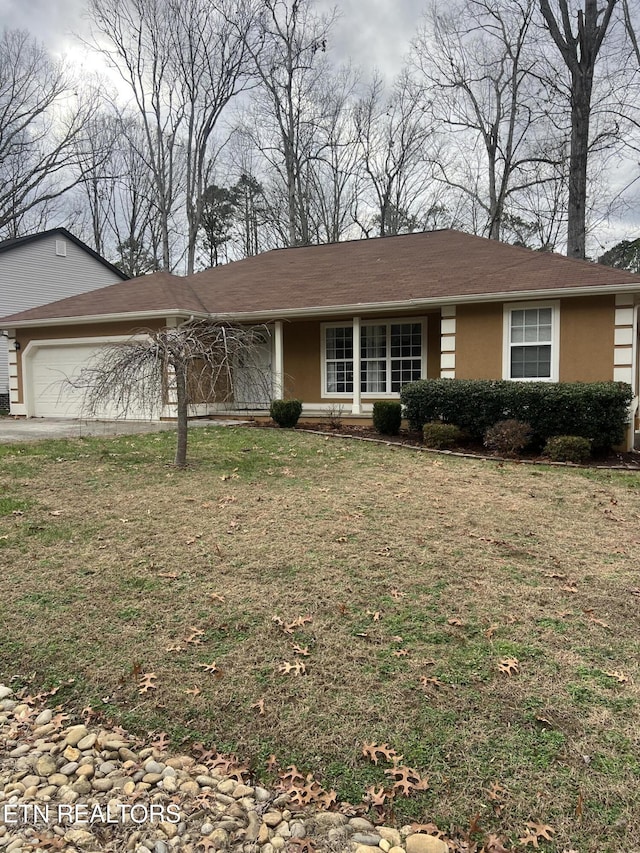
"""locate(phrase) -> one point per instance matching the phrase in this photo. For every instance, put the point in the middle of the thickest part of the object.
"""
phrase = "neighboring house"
(39, 268)
(386, 311)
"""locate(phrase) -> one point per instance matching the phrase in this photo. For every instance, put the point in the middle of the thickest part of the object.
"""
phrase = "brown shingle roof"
(435, 265)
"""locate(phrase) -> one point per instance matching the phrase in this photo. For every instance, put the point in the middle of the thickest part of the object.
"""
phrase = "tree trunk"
(577, 206)
(181, 395)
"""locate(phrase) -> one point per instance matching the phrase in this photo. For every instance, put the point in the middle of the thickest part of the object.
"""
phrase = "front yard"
(302, 596)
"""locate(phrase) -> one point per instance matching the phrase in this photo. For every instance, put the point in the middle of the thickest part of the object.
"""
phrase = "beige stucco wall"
(433, 346)
(586, 339)
(479, 341)
(301, 345)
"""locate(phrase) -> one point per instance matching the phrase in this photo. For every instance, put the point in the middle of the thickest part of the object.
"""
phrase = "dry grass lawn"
(420, 574)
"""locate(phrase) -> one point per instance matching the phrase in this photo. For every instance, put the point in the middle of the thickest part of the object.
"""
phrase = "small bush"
(286, 412)
(568, 448)
(441, 436)
(508, 437)
(387, 417)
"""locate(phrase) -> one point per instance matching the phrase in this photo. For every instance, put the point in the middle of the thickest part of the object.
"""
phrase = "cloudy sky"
(374, 33)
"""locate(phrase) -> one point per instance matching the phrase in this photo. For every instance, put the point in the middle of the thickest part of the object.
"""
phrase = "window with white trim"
(391, 354)
(531, 351)
(339, 359)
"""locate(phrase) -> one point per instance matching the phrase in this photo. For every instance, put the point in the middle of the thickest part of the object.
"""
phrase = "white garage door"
(52, 395)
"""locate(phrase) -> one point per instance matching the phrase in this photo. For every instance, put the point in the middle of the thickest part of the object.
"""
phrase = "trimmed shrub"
(441, 436)
(286, 412)
(568, 448)
(594, 410)
(387, 417)
(508, 437)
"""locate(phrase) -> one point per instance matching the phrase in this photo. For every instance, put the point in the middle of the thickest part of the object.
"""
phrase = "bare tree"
(291, 40)
(100, 173)
(133, 215)
(134, 36)
(210, 61)
(333, 168)
(200, 358)
(43, 129)
(474, 61)
(392, 141)
(579, 51)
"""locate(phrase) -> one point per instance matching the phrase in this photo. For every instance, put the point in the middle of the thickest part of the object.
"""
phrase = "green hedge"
(595, 410)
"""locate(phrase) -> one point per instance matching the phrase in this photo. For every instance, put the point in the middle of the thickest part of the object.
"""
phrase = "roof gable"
(16, 242)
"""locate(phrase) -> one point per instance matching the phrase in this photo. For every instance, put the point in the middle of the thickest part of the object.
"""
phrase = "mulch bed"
(409, 438)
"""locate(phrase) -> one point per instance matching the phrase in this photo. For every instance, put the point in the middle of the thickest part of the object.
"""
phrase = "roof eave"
(85, 319)
(356, 308)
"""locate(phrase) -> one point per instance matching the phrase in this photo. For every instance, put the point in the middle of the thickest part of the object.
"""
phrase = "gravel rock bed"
(86, 788)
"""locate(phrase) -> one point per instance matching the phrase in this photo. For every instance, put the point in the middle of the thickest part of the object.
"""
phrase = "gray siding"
(33, 274)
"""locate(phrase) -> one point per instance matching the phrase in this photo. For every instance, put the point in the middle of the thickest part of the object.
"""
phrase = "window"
(390, 356)
(531, 334)
(339, 361)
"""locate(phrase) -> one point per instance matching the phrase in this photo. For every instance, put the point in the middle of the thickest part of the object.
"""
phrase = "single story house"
(352, 322)
(38, 268)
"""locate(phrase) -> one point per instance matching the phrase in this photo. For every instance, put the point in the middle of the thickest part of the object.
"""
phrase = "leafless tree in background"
(579, 51)
(43, 129)
(134, 37)
(210, 65)
(393, 135)
(473, 61)
(333, 169)
(287, 52)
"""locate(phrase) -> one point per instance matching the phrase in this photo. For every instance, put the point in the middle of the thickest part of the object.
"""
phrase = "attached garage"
(51, 368)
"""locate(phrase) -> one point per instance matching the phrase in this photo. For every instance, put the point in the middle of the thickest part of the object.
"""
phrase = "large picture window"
(391, 354)
(531, 333)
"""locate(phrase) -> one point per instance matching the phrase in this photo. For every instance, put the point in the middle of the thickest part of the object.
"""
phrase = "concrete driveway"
(14, 430)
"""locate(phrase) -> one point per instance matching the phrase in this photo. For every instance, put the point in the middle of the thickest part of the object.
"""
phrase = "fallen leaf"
(510, 666)
(371, 751)
(210, 667)
(494, 845)
(535, 832)
(147, 682)
(400, 653)
(259, 705)
(376, 796)
(396, 594)
(455, 620)
(297, 668)
(430, 681)
(195, 691)
(407, 780)
(620, 677)
(491, 630)
(496, 792)
(299, 650)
